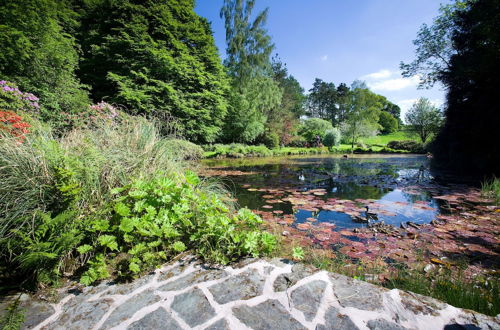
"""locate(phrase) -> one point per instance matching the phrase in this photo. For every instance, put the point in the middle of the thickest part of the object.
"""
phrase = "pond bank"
(242, 151)
(425, 229)
(255, 294)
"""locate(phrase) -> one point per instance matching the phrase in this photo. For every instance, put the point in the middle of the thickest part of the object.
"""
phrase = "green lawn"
(384, 139)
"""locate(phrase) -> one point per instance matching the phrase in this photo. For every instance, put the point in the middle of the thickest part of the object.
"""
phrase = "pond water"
(333, 189)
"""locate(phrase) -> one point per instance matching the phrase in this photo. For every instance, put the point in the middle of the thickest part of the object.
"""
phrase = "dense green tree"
(388, 123)
(363, 114)
(283, 119)
(322, 101)
(39, 54)
(254, 93)
(424, 119)
(468, 140)
(313, 128)
(332, 138)
(343, 99)
(156, 58)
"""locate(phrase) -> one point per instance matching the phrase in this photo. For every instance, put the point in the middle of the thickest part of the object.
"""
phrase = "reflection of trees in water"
(352, 190)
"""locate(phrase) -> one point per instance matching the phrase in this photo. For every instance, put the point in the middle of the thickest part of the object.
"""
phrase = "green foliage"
(388, 123)
(467, 142)
(424, 119)
(298, 253)
(491, 189)
(408, 145)
(156, 58)
(40, 55)
(116, 207)
(238, 150)
(183, 150)
(322, 102)
(270, 140)
(362, 116)
(314, 127)
(254, 93)
(42, 256)
(332, 138)
(14, 317)
(152, 220)
(434, 46)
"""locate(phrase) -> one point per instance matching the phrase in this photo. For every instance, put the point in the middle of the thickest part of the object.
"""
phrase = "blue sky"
(343, 40)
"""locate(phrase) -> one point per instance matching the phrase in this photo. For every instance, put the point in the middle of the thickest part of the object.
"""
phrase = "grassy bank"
(240, 150)
(113, 201)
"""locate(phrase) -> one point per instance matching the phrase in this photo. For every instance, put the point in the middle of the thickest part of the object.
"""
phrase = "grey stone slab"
(129, 307)
(299, 271)
(269, 314)
(177, 270)
(382, 324)
(128, 288)
(85, 316)
(219, 325)
(35, 312)
(159, 319)
(243, 286)
(281, 263)
(193, 278)
(336, 321)
(193, 307)
(307, 298)
(419, 304)
(358, 294)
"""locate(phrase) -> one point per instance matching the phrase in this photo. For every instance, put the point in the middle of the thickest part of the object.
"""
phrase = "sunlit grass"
(384, 139)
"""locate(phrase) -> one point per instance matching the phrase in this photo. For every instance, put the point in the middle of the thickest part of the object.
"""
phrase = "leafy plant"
(298, 253)
(152, 220)
(13, 319)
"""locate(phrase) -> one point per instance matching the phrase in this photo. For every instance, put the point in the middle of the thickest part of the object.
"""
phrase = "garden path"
(255, 294)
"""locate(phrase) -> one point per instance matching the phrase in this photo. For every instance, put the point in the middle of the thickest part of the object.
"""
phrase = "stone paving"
(256, 294)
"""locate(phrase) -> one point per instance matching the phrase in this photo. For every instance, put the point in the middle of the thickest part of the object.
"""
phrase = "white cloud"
(382, 74)
(387, 80)
(324, 58)
(394, 84)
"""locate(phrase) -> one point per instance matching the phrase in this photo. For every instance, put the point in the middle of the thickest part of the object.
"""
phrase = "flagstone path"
(256, 294)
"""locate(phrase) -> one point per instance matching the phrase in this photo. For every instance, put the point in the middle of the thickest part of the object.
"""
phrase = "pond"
(353, 192)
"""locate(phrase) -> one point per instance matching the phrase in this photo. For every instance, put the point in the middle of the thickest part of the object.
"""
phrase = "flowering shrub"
(11, 98)
(94, 116)
(11, 124)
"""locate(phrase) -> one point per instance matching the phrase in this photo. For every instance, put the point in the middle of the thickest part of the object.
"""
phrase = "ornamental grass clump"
(113, 200)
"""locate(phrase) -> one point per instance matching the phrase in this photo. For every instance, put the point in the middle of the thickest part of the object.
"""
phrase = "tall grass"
(491, 189)
(45, 173)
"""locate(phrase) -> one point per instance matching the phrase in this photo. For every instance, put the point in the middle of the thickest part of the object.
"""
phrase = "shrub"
(56, 192)
(332, 138)
(409, 145)
(388, 122)
(184, 150)
(298, 142)
(11, 98)
(315, 127)
(270, 140)
(150, 221)
(12, 125)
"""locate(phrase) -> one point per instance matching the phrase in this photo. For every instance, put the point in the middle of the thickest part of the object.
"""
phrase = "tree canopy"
(473, 81)
(156, 58)
(39, 53)
(424, 119)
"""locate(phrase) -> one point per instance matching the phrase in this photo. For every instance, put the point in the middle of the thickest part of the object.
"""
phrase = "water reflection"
(379, 181)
